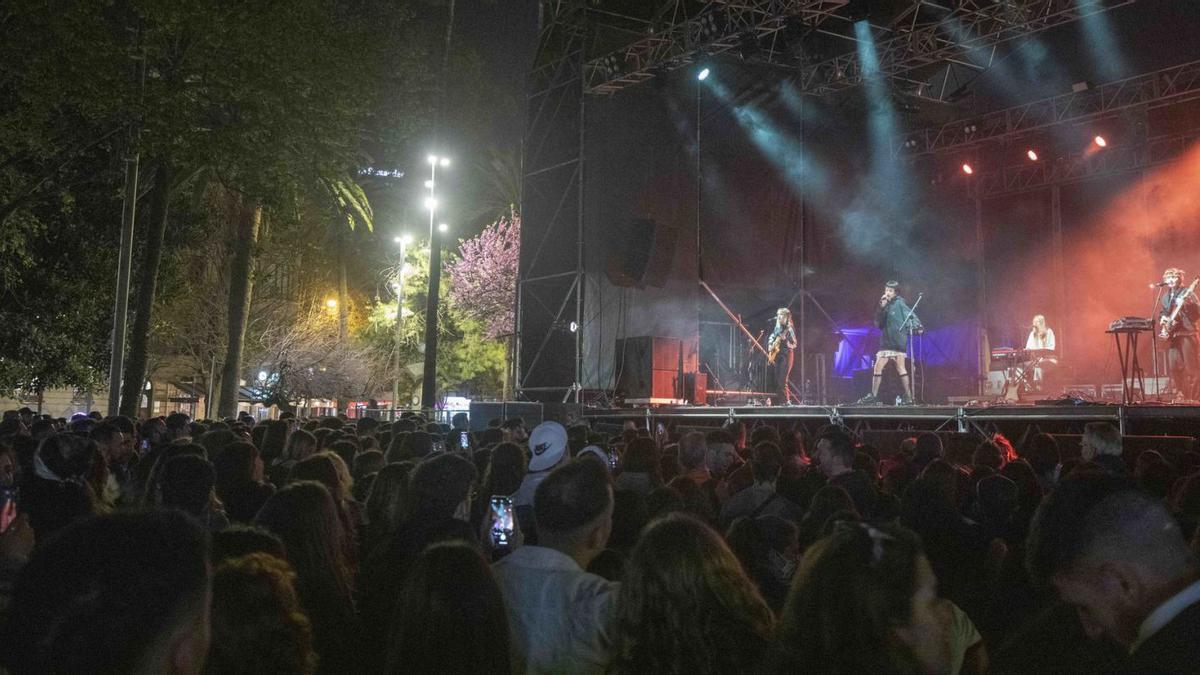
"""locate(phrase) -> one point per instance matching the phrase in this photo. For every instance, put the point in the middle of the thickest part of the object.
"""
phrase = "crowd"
(342, 546)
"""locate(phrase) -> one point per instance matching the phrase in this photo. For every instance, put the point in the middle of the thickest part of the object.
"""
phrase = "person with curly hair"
(257, 623)
(686, 606)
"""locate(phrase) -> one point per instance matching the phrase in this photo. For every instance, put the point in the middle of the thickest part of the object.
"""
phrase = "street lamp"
(404, 240)
(429, 377)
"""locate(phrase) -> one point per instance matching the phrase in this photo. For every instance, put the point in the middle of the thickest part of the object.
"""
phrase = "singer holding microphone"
(893, 341)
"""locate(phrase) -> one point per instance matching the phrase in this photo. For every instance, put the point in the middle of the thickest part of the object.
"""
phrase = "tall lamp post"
(429, 379)
(404, 241)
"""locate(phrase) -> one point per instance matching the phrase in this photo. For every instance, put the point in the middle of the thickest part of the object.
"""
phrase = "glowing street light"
(429, 384)
(703, 74)
(967, 169)
(331, 303)
(1100, 141)
(1032, 155)
(442, 227)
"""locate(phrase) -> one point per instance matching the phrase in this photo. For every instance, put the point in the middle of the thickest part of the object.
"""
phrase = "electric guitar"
(774, 347)
(1170, 323)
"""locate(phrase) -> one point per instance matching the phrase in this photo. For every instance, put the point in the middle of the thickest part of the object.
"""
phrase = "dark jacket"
(890, 321)
(1175, 648)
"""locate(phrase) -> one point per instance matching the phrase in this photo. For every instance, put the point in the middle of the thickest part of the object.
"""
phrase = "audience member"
(1117, 556)
(120, 593)
(548, 449)
(1101, 445)
(257, 623)
(188, 484)
(240, 485)
(686, 606)
(762, 497)
(835, 458)
(561, 615)
(639, 468)
(305, 516)
(451, 617)
(864, 601)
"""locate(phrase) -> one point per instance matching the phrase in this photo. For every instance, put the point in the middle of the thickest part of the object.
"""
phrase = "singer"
(1041, 346)
(782, 342)
(893, 342)
(1181, 334)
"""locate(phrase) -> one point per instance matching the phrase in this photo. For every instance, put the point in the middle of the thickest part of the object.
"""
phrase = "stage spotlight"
(967, 169)
(702, 75)
(1032, 155)
(1100, 142)
(442, 227)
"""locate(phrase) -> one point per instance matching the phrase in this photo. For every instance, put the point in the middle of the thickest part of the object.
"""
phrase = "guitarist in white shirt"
(1181, 333)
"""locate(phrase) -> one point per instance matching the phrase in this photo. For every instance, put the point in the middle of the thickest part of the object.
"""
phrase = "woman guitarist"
(779, 352)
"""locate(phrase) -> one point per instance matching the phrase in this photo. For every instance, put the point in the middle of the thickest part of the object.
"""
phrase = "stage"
(979, 420)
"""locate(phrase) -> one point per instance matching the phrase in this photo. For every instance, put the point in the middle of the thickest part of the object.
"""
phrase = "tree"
(484, 276)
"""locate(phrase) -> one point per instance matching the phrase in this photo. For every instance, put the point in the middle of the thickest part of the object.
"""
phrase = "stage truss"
(584, 50)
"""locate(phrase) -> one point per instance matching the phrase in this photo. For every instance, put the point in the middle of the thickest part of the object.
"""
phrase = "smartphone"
(612, 460)
(502, 521)
(8, 506)
(464, 440)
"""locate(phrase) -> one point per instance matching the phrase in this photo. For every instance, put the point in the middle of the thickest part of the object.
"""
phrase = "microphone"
(1159, 284)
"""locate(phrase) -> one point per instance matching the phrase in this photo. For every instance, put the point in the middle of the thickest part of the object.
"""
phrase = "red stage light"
(1099, 140)
(966, 168)
(1032, 155)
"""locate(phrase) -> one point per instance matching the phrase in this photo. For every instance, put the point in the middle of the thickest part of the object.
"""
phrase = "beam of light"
(1032, 155)
(787, 155)
(1101, 41)
(881, 116)
(702, 75)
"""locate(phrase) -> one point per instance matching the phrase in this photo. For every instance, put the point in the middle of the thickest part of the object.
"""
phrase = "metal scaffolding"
(930, 34)
(721, 25)
(1151, 90)
(1116, 159)
(550, 273)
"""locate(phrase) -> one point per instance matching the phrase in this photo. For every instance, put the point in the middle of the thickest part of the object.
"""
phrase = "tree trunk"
(134, 377)
(241, 283)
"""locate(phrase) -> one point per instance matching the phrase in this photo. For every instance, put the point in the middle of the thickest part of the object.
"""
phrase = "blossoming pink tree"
(484, 277)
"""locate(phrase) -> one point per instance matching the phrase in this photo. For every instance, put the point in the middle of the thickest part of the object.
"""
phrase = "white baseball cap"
(547, 446)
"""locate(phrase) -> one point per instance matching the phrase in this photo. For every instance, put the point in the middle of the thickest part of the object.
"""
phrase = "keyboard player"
(1041, 346)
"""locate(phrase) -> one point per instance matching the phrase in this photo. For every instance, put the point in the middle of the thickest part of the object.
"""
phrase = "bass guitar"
(1170, 323)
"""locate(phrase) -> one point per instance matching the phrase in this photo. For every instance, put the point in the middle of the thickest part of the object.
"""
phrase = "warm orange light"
(1032, 155)
(331, 303)
(966, 168)
(1099, 140)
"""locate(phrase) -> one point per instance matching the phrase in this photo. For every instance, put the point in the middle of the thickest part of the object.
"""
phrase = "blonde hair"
(1173, 272)
(1039, 325)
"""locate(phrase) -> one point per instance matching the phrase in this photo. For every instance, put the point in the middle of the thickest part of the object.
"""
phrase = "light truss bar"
(719, 26)
(957, 31)
(1169, 85)
(1115, 159)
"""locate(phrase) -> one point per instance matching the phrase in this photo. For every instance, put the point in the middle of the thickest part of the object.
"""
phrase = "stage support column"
(1058, 268)
(980, 295)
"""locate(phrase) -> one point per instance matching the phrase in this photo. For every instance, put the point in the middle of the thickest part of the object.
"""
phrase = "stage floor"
(984, 419)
